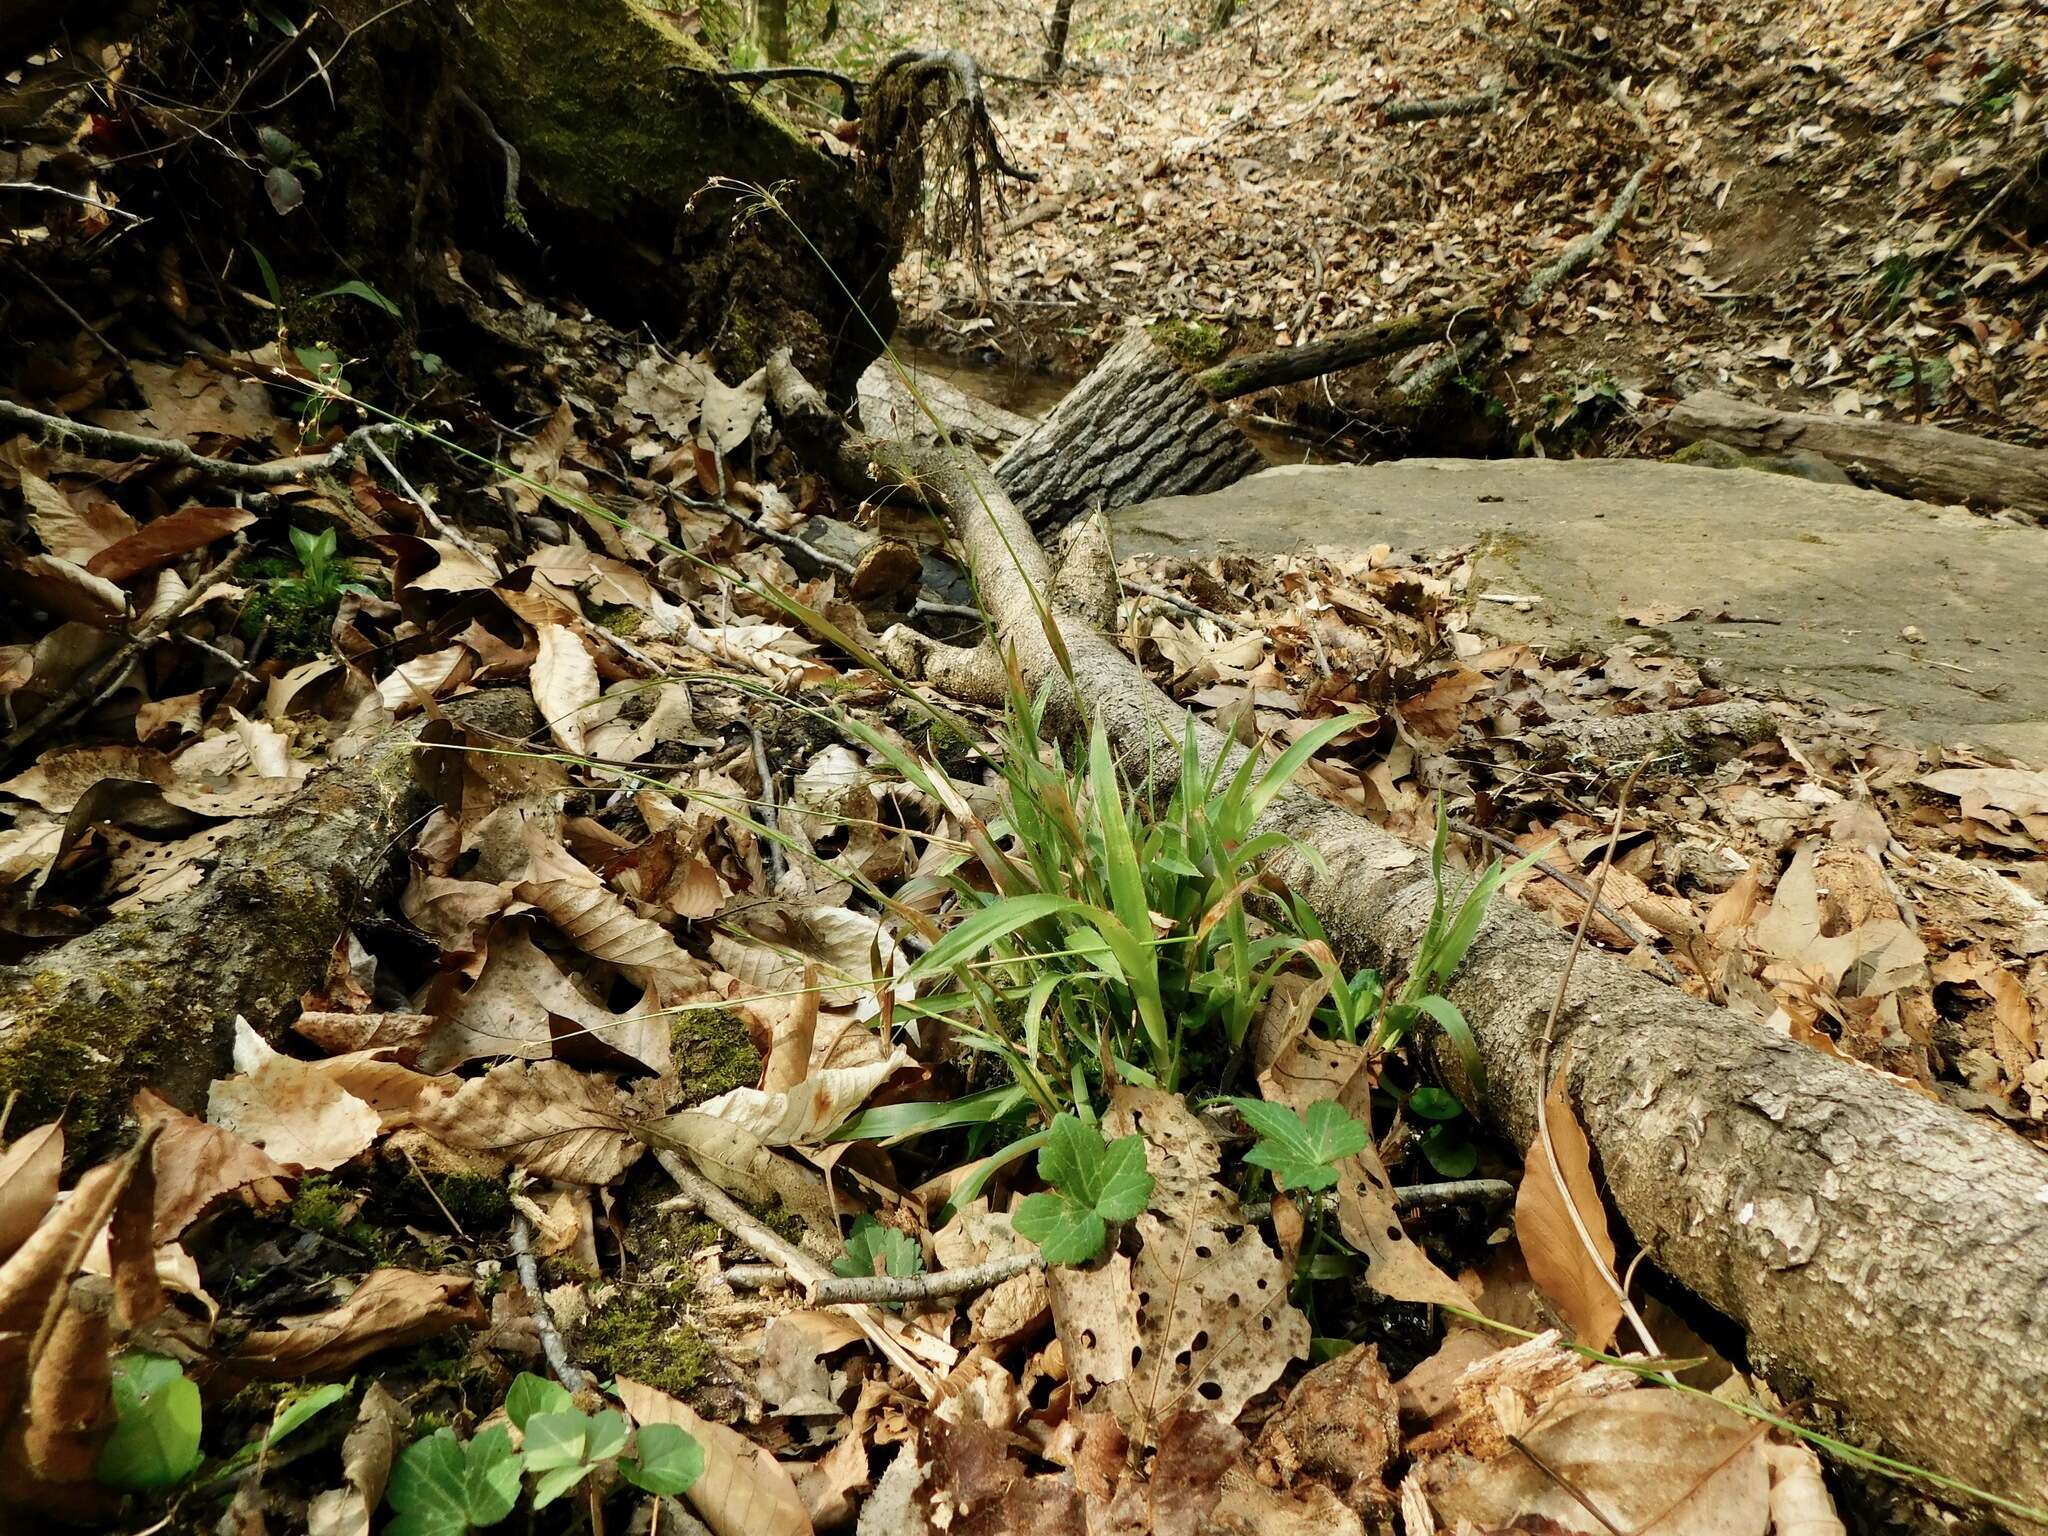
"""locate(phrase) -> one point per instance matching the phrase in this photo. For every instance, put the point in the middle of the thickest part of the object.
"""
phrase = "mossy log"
(152, 997)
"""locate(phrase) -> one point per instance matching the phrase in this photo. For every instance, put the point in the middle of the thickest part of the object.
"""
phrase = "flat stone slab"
(1819, 582)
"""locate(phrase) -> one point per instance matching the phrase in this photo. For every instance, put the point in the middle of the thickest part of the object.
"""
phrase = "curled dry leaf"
(197, 1163)
(547, 1117)
(30, 1169)
(366, 1457)
(290, 1109)
(600, 923)
(565, 686)
(400, 1034)
(389, 1310)
(1577, 1282)
(743, 1491)
(525, 1005)
(812, 1110)
(1341, 1427)
(413, 684)
(70, 1387)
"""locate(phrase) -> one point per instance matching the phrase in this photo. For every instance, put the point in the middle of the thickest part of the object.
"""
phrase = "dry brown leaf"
(1635, 1456)
(59, 587)
(30, 1169)
(1200, 1319)
(366, 1457)
(70, 1391)
(408, 687)
(743, 1491)
(197, 1163)
(1578, 1283)
(399, 1034)
(163, 539)
(1800, 1502)
(525, 1005)
(599, 922)
(1340, 1426)
(194, 401)
(72, 528)
(60, 779)
(288, 1108)
(565, 686)
(829, 1486)
(390, 1309)
(811, 1111)
(547, 1117)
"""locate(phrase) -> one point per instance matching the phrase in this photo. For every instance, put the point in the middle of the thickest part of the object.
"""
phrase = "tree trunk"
(1871, 1241)
(151, 998)
(1253, 371)
(1927, 463)
(1135, 428)
(1055, 58)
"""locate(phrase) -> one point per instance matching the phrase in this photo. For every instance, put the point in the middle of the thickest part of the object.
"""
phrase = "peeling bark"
(1871, 1241)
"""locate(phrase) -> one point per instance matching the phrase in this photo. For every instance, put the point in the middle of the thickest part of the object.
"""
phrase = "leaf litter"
(595, 953)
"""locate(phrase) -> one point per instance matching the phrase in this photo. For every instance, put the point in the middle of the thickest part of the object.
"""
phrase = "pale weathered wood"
(1136, 428)
(1927, 463)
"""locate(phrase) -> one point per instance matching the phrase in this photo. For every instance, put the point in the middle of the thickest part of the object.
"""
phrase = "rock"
(1800, 588)
(1802, 463)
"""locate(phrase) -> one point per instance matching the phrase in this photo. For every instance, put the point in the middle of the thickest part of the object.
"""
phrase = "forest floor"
(1847, 209)
(685, 920)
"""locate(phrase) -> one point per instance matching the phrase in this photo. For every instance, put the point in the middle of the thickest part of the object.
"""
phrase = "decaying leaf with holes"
(1200, 1319)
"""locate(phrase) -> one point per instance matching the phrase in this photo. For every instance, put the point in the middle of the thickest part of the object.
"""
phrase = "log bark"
(152, 997)
(1873, 1243)
(1926, 463)
(1136, 428)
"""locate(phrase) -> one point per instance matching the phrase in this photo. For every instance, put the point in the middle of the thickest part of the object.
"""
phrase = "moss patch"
(713, 1052)
(1193, 343)
(641, 1331)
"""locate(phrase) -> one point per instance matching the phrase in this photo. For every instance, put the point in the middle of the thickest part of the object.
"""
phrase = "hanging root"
(933, 149)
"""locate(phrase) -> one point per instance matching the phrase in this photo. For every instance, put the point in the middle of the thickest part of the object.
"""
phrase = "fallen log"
(1926, 463)
(151, 997)
(1342, 349)
(1136, 428)
(1873, 1243)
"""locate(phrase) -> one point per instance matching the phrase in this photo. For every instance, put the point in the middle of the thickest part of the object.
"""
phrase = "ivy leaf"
(1301, 1151)
(871, 1240)
(441, 1487)
(668, 1459)
(155, 1441)
(1432, 1103)
(1450, 1154)
(531, 1394)
(1093, 1185)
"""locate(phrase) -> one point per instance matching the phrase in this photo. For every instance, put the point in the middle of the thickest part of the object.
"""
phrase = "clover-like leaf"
(530, 1394)
(667, 1459)
(871, 1240)
(155, 1441)
(442, 1487)
(564, 1448)
(1093, 1185)
(1301, 1151)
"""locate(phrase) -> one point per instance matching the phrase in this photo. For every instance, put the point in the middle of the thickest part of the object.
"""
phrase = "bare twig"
(1559, 1478)
(58, 299)
(433, 519)
(1543, 1140)
(131, 445)
(1419, 1197)
(551, 1343)
(75, 197)
(934, 1287)
(1576, 886)
(849, 88)
(1575, 255)
(1940, 27)
(770, 814)
(1174, 600)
